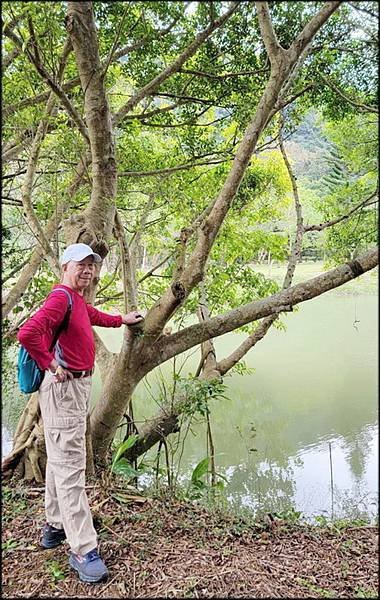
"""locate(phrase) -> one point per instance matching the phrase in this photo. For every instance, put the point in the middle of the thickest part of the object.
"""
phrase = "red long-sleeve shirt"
(76, 348)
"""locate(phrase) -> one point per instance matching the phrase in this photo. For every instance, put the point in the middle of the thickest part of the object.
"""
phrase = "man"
(64, 401)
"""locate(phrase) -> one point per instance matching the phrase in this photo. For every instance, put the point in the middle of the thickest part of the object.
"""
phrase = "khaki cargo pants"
(64, 409)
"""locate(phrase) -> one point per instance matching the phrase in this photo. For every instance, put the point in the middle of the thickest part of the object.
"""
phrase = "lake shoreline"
(161, 547)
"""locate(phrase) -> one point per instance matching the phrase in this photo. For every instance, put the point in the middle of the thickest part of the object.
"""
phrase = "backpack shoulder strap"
(65, 321)
(61, 289)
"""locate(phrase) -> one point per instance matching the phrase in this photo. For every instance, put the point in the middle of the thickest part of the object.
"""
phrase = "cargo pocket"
(67, 443)
(67, 402)
(70, 399)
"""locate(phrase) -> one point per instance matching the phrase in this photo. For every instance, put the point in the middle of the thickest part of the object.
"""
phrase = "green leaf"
(200, 470)
(123, 467)
(129, 442)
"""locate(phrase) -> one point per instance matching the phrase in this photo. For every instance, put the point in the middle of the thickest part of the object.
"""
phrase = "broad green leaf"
(200, 470)
(129, 442)
(123, 467)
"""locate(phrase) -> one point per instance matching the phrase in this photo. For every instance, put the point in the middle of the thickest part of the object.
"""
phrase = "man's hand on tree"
(132, 318)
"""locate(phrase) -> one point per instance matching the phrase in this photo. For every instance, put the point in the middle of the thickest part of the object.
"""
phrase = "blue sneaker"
(52, 537)
(89, 567)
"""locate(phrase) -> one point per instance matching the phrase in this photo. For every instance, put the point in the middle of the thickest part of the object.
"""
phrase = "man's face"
(78, 275)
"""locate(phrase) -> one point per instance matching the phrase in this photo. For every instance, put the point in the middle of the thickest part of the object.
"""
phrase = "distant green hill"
(314, 157)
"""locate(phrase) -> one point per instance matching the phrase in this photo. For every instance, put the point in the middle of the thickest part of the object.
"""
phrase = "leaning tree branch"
(282, 301)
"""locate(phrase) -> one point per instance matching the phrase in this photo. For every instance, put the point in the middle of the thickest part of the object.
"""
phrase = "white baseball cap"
(78, 252)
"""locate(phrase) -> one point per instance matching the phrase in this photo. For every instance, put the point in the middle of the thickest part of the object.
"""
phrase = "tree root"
(28, 457)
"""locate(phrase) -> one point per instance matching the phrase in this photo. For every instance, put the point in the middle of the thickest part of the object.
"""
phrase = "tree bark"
(94, 225)
(28, 457)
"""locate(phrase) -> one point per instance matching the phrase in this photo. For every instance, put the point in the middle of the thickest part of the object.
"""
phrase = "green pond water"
(312, 401)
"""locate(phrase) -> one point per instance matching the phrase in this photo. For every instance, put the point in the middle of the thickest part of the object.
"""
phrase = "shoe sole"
(87, 578)
(49, 546)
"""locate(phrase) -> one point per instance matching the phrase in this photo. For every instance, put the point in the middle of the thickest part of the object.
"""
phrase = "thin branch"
(190, 123)
(362, 107)
(8, 59)
(128, 274)
(72, 83)
(227, 363)
(332, 222)
(359, 6)
(157, 266)
(15, 270)
(116, 39)
(285, 102)
(170, 170)
(153, 85)
(147, 115)
(26, 190)
(222, 75)
(188, 99)
(55, 87)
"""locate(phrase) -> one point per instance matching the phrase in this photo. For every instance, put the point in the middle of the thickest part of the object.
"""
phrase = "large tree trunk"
(93, 226)
(139, 357)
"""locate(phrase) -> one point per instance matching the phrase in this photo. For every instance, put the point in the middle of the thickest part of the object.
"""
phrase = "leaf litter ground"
(164, 548)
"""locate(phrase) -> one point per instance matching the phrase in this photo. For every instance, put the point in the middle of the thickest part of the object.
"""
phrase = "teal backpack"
(29, 374)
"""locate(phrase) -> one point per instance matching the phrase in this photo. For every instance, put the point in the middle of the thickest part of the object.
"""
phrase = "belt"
(80, 374)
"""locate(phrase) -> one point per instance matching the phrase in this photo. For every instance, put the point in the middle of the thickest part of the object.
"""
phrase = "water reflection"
(303, 482)
(270, 488)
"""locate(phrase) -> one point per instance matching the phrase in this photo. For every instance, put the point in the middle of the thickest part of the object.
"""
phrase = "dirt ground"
(162, 548)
